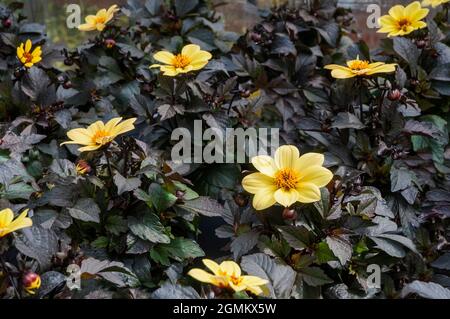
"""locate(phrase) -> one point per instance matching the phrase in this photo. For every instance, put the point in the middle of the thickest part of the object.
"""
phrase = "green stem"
(108, 163)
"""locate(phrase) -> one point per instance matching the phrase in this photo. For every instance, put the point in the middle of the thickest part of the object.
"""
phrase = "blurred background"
(239, 15)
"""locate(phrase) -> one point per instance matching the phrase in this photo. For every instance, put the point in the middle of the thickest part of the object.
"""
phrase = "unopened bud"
(110, 43)
(395, 95)
(31, 282)
(289, 214)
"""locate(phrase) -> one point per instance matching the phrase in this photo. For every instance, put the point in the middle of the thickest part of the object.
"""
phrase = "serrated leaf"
(280, 276)
(204, 205)
(85, 209)
(429, 290)
(126, 184)
(341, 248)
(148, 228)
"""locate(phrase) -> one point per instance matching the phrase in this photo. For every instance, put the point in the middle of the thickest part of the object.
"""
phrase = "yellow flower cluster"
(228, 275)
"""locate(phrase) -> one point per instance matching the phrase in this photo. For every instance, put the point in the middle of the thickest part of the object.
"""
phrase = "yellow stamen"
(181, 61)
(404, 24)
(102, 138)
(358, 65)
(28, 57)
(286, 179)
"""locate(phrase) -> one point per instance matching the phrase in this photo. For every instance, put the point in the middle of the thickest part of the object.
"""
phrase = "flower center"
(100, 20)
(28, 57)
(180, 61)
(403, 24)
(359, 65)
(236, 280)
(286, 179)
(102, 138)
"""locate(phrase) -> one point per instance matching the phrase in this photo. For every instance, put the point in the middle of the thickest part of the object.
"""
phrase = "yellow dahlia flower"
(191, 58)
(228, 275)
(8, 224)
(403, 20)
(28, 57)
(359, 68)
(434, 3)
(286, 179)
(100, 20)
(99, 134)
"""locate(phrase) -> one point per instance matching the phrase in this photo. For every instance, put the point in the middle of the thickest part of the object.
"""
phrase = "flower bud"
(31, 282)
(421, 44)
(83, 167)
(68, 61)
(395, 95)
(289, 214)
(110, 43)
(67, 85)
(241, 200)
(7, 23)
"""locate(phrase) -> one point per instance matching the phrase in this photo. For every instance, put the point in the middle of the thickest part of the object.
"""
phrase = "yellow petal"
(20, 222)
(201, 275)
(253, 281)
(36, 60)
(80, 136)
(317, 175)
(190, 50)
(109, 126)
(29, 64)
(230, 268)
(397, 12)
(257, 290)
(125, 126)
(164, 57)
(286, 156)
(307, 160)
(201, 56)
(419, 25)
(37, 51)
(414, 11)
(169, 70)
(28, 45)
(265, 164)
(386, 68)
(256, 182)
(286, 197)
(100, 26)
(198, 65)
(89, 148)
(387, 21)
(212, 265)
(342, 74)
(95, 127)
(20, 51)
(264, 198)
(87, 27)
(6, 217)
(102, 13)
(308, 193)
(92, 20)
(238, 287)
